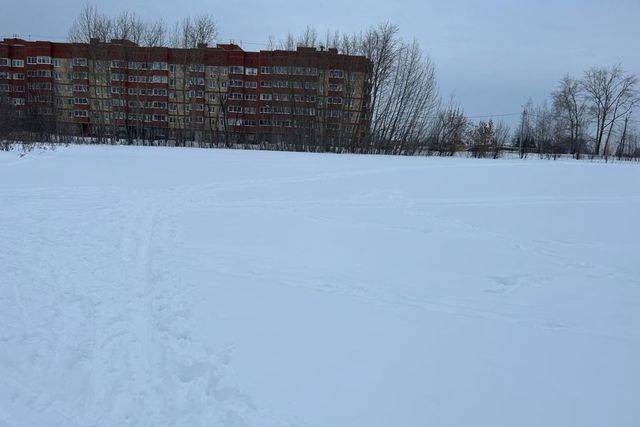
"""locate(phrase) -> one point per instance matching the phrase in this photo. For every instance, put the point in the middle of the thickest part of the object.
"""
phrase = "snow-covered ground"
(187, 287)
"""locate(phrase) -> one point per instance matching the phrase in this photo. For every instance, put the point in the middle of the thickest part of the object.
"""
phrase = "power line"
(493, 115)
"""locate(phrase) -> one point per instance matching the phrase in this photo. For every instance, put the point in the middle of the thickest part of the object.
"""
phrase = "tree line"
(588, 116)
(406, 114)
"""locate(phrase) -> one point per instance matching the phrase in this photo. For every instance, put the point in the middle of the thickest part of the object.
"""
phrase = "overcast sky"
(492, 55)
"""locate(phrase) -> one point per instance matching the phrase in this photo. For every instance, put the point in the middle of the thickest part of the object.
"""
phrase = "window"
(334, 100)
(265, 97)
(350, 103)
(43, 60)
(305, 111)
(79, 76)
(39, 73)
(265, 122)
(4, 88)
(266, 70)
(250, 110)
(159, 118)
(56, 62)
(265, 83)
(18, 76)
(251, 97)
(18, 101)
(336, 74)
(236, 69)
(281, 110)
(265, 110)
(235, 95)
(234, 109)
(172, 68)
(305, 98)
(81, 113)
(335, 88)
(251, 71)
(4, 62)
(81, 101)
(235, 83)
(249, 123)
(251, 85)
(79, 88)
(79, 62)
(19, 63)
(281, 97)
(32, 60)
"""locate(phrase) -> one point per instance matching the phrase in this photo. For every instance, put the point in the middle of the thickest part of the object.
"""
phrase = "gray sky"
(492, 55)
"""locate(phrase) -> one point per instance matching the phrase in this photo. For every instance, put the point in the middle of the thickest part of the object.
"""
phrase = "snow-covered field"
(187, 287)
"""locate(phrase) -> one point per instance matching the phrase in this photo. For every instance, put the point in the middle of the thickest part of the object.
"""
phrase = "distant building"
(222, 93)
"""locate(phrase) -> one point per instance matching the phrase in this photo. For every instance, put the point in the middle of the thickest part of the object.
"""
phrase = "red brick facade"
(222, 92)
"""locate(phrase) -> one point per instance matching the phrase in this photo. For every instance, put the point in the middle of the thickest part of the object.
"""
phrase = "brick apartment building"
(222, 93)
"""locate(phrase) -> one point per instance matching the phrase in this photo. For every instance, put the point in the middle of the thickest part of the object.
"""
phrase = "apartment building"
(222, 93)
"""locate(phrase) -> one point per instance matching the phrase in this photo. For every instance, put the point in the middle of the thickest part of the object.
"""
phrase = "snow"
(186, 287)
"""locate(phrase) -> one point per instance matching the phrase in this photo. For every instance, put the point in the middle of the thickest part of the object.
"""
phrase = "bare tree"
(501, 136)
(611, 94)
(542, 129)
(406, 105)
(309, 38)
(381, 45)
(570, 108)
(449, 130)
(90, 24)
(193, 32)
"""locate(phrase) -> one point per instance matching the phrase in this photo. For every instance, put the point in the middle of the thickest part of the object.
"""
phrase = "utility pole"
(524, 115)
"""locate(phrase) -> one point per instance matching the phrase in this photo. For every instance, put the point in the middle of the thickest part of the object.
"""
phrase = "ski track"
(123, 310)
